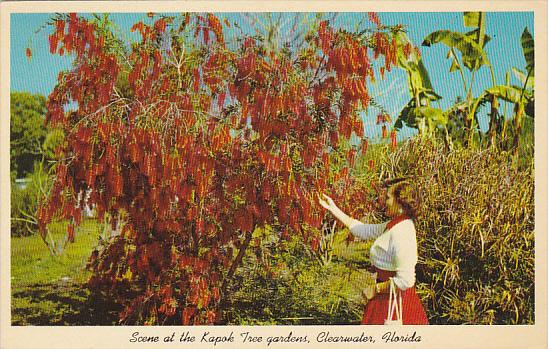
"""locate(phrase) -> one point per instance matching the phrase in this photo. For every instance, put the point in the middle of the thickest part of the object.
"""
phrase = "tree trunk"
(235, 264)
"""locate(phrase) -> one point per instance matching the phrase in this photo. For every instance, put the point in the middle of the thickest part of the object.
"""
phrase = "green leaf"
(433, 116)
(474, 34)
(410, 114)
(528, 46)
(522, 77)
(406, 116)
(454, 61)
(430, 94)
(473, 56)
(418, 76)
(471, 19)
(506, 93)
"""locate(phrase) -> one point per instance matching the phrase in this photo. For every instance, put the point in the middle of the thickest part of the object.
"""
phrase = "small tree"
(27, 131)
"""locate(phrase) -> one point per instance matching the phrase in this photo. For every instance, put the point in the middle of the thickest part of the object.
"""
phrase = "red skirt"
(376, 309)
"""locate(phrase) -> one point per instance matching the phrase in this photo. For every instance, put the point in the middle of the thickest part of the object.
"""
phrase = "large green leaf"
(433, 116)
(411, 114)
(528, 46)
(473, 55)
(474, 34)
(429, 94)
(412, 63)
(510, 94)
(406, 117)
(522, 77)
(471, 19)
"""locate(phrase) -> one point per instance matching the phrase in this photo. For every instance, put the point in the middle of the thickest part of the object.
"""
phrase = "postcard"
(273, 174)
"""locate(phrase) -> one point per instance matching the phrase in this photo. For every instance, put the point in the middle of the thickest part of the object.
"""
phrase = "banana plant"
(418, 113)
(528, 47)
(522, 97)
(470, 45)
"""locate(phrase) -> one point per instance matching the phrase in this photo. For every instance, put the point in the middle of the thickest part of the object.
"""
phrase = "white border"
(526, 336)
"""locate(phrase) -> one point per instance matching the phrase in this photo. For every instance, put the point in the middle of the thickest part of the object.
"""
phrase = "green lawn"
(50, 290)
(32, 263)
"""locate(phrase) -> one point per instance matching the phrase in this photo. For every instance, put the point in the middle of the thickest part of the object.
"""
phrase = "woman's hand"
(328, 203)
(369, 291)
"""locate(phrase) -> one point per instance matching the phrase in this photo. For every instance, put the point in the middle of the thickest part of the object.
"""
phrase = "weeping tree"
(193, 142)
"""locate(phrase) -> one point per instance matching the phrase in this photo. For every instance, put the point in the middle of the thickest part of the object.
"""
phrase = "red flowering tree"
(192, 143)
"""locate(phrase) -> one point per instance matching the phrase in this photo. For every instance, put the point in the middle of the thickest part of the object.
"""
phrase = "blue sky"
(39, 75)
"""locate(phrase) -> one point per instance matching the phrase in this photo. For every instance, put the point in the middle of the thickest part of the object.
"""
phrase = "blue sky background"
(39, 75)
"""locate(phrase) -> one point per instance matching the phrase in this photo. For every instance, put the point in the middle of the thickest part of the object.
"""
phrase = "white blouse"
(394, 249)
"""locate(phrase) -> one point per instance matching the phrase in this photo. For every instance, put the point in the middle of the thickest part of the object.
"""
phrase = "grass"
(32, 263)
(50, 290)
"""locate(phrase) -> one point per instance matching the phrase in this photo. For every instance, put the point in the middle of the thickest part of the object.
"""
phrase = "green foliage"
(27, 131)
(288, 287)
(528, 46)
(30, 144)
(417, 113)
(475, 231)
(54, 138)
(476, 252)
(25, 201)
(473, 56)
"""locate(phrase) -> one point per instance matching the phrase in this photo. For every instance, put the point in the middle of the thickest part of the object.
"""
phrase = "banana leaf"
(405, 116)
(474, 34)
(528, 46)
(410, 114)
(418, 75)
(433, 116)
(510, 94)
(522, 77)
(471, 19)
(473, 56)
(429, 94)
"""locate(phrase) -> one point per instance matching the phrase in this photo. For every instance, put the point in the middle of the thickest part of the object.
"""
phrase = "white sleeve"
(404, 241)
(367, 231)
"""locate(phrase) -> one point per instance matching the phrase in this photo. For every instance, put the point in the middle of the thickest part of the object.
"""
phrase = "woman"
(393, 254)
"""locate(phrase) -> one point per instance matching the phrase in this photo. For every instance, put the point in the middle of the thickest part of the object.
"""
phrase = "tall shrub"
(206, 141)
(475, 232)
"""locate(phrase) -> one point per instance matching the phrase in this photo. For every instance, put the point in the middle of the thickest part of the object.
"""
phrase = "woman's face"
(392, 207)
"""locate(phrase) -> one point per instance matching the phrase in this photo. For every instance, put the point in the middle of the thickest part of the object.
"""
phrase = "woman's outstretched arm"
(357, 228)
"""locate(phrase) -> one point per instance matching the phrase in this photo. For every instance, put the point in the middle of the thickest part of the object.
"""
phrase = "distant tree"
(27, 131)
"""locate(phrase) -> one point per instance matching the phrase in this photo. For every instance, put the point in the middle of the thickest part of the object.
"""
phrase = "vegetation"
(27, 133)
(31, 146)
(50, 289)
(475, 231)
(210, 142)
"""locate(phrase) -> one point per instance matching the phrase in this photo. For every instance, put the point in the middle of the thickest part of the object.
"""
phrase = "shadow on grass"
(61, 305)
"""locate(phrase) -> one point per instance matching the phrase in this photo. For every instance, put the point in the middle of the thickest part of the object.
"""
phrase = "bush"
(282, 283)
(475, 231)
(24, 202)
